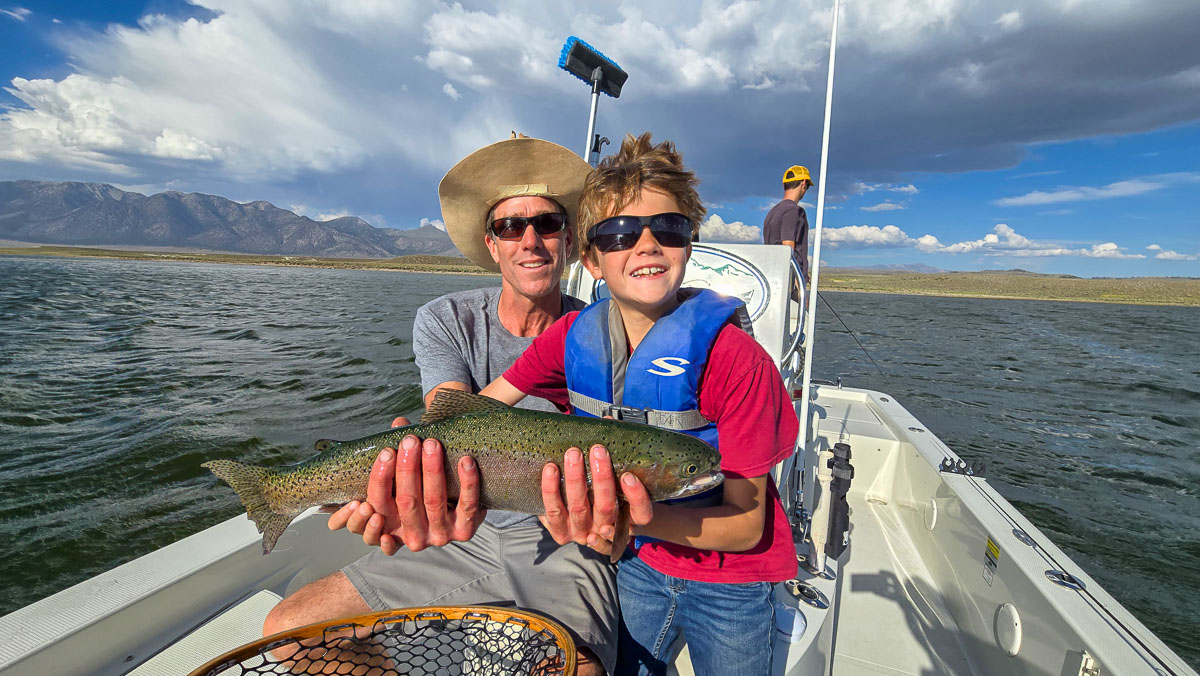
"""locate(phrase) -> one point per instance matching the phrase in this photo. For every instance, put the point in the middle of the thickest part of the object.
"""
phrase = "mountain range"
(77, 214)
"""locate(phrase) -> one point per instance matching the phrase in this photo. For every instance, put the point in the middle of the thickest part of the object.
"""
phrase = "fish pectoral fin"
(452, 403)
(620, 533)
(323, 445)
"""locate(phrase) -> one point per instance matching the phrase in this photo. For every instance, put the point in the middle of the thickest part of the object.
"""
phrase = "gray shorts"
(519, 565)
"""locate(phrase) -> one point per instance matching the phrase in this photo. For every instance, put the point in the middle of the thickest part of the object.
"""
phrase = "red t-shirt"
(742, 392)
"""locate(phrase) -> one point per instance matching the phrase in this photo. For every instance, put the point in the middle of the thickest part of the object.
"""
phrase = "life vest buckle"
(628, 414)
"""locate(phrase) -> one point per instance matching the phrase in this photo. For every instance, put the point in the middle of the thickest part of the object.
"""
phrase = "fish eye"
(690, 469)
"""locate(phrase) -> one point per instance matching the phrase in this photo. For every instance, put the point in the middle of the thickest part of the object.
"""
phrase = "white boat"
(941, 574)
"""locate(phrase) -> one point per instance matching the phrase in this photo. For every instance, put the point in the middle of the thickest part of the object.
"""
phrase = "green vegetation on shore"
(1011, 284)
(1020, 285)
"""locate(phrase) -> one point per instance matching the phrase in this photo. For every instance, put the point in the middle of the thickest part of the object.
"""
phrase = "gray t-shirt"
(459, 338)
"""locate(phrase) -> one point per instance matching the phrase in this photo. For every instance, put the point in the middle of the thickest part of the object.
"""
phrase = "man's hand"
(406, 500)
(596, 525)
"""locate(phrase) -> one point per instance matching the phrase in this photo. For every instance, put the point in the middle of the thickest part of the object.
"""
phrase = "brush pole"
(597, 75)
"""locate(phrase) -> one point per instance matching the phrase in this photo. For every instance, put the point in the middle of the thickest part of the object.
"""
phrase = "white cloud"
(1110, 250)
(884, 206)
(715, 229)
(449, 90)
(1169, 255)
(861, 187)
(18, 13)
(865, 237)
(1078, 194)
(1009, 20)
(178, 145)
(436, 222)
(1002, 241)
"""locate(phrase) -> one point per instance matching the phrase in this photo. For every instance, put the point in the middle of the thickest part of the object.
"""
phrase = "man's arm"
(448, 385)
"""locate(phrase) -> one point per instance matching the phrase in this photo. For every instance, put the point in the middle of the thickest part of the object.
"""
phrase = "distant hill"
(893, 267)
(100, 214)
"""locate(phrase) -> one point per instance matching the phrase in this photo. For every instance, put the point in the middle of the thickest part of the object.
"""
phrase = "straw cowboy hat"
(514, 167)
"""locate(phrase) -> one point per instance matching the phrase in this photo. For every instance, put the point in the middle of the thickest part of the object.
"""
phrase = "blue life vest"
(659, 383)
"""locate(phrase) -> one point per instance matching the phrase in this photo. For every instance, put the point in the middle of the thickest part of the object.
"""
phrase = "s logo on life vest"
(669, 366)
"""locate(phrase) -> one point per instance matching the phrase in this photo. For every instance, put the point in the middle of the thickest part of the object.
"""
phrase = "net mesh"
(450, 641)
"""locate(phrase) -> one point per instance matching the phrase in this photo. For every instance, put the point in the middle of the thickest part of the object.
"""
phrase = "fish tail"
(250, 482)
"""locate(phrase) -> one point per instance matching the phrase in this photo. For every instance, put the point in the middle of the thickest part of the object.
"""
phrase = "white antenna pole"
(810, 319)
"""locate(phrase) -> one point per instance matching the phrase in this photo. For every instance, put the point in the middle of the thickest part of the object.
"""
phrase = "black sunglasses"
(622, 232)
(513, 227)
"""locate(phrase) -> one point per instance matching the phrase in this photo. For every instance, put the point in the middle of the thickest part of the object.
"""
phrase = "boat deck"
(891, 620)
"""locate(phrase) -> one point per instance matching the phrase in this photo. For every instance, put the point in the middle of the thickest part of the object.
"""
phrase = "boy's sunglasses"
(622, 232)
(513, 227)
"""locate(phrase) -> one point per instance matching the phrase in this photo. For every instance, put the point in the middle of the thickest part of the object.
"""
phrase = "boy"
(674, 357)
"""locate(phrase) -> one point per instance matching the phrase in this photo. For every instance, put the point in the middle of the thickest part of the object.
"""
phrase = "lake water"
(117, 379)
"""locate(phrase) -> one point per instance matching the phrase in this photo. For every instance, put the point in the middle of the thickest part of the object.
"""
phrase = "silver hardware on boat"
(807, 593)
(1023, 537)
(884, 399)
(1065, 579)
(976, 468)
(915, 429)
(1088, 666)
(807, 564)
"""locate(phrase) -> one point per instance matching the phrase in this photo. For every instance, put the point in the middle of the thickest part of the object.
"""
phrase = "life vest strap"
(671, 420)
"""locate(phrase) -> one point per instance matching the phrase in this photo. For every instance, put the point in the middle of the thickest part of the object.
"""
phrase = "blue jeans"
(728, 627)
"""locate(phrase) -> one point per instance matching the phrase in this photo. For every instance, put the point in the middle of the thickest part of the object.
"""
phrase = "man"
(509, 207)
(786, 222)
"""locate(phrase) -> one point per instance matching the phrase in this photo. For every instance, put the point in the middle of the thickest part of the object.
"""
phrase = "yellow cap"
(796, 173)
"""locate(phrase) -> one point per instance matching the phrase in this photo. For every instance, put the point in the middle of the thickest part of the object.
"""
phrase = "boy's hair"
(795, 184)
(620, 179)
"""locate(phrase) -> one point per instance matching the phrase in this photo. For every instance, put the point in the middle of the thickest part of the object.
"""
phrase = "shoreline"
(938, 294)
(1152, 291)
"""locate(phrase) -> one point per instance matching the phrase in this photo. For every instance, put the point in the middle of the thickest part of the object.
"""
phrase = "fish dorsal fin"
(451, 403)
(323, 445)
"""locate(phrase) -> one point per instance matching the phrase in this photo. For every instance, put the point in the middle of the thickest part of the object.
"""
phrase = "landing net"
(439, 640)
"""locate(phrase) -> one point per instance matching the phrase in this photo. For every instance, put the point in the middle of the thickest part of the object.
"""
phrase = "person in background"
(786, 223)
(511, 208)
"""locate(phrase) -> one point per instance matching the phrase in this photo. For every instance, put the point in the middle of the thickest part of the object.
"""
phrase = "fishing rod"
(860, 345)
(821, 475)
(810, 318)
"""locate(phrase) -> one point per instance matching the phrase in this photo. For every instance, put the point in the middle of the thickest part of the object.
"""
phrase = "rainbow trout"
(509, 445)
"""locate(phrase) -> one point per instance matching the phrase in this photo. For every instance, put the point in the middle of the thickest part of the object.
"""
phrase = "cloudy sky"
(1053, 136)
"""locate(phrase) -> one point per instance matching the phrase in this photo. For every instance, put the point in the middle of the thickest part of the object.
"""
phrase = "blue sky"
(1051, 136)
